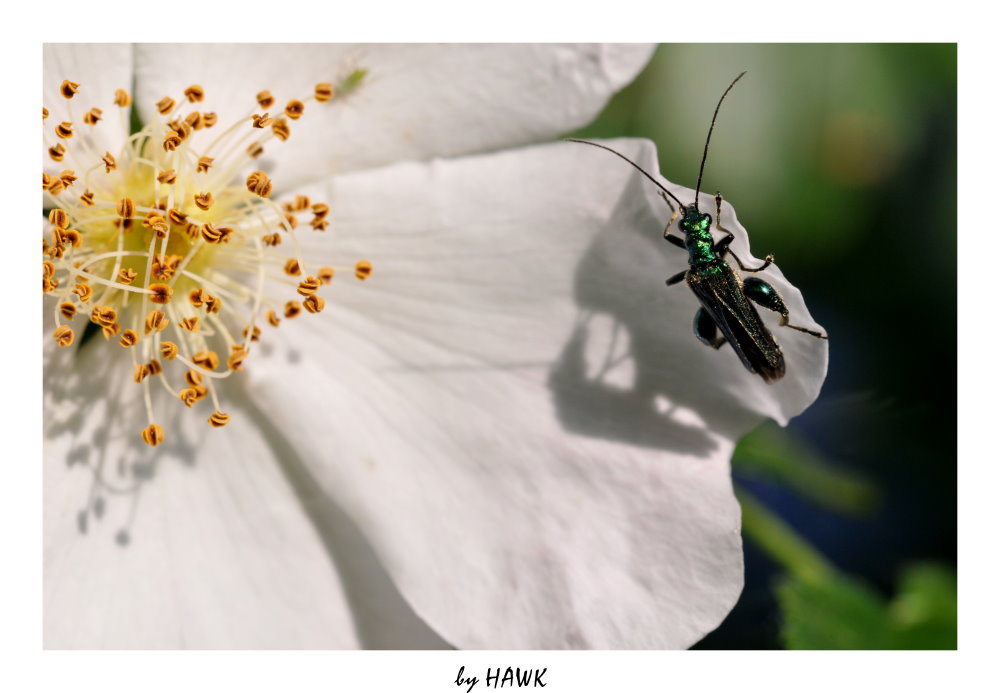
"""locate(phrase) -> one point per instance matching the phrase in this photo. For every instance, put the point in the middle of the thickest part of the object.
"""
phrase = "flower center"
(167, 248)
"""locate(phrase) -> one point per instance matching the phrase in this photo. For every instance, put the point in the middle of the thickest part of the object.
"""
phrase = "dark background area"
(841, 160)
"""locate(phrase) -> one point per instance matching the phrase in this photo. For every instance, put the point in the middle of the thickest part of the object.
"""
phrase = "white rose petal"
(418, 100)
(519, 500)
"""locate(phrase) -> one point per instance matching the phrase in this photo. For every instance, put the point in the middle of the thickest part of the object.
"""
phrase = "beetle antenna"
(709, 137)
(637, 166)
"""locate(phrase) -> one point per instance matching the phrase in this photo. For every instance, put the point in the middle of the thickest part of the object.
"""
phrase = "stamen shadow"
(120, 464)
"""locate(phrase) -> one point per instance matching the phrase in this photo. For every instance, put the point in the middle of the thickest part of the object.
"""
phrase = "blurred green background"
(841, 160)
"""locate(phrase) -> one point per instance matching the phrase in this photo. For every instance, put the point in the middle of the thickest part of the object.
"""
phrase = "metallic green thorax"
(697, 228)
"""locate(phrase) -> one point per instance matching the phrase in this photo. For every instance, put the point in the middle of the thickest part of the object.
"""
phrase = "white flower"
(507, 437)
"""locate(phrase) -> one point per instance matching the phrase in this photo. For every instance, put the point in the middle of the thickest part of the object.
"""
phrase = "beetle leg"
(763, 294)
(677, 278)
(673, 217)
(722, 247)
(679, 242)
(706, 330)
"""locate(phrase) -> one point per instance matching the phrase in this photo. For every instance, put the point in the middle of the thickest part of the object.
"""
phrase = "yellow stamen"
(170, 216)
(152, 435)
(165, 105)
(194, 93)
(218, 419)
(63, 335)
(294, 109)
(129, 338)
(265, 99)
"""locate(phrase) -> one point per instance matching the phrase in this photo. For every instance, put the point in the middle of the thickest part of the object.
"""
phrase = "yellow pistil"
(168, 213)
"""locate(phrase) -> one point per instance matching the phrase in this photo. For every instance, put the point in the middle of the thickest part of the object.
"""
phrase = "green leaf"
(831, 613)
(776, 454)
(780, 541)
(836, 612)
(924, 614)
